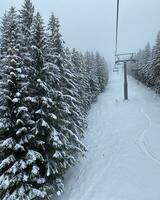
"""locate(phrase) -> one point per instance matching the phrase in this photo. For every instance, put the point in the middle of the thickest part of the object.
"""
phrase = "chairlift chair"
(115, 69)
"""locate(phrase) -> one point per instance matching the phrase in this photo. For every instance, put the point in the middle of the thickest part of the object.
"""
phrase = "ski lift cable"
(117, 26)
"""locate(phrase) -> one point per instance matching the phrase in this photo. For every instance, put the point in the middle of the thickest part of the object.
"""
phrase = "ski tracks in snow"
(121, 163)
(141, 140)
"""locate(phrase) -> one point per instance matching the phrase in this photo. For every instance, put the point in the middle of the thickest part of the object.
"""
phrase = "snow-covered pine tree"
(141, 65)
(67, 85)
(102, 73)
(26, 19)
(40, 106)
(93, 79)
(84, 82)
(146, 68)
(3, 41)
(57, 164)
(147, 53)
(76, 92)
(156, 64)
(63, 95)
(68, 55)
(151, 81)
(54, 71)
(78, 67)
(3, 28)
(18, 169)
(106, 71)
(136, 67)
(88, 69)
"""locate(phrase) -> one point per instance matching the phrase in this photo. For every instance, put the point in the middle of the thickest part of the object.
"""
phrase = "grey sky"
(90, 24)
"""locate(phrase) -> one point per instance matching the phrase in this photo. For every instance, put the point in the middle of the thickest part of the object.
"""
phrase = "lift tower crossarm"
(125, 54)
(125, 61)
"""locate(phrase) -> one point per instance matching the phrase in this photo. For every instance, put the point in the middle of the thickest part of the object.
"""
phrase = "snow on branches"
(46, 90)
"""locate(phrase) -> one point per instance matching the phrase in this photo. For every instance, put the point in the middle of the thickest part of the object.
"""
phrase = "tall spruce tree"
(88, 67)
(18, 178)
(3, 41)
(94, 82)
(26, 20)
(64, 91)
(41, 108)
(26, 15)
(101, 72)
(156, 64)
(146, 68)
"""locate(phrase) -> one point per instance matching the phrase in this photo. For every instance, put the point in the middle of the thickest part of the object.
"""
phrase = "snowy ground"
(123, 139)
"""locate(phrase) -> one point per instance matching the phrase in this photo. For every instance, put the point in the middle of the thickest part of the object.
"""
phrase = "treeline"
(46, 90)
(147, 67)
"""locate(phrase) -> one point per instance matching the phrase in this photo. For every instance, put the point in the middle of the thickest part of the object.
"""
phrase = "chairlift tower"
(120, 59)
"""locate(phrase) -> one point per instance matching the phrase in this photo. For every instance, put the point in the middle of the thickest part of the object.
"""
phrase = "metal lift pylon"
(127, 57)
(125, 61)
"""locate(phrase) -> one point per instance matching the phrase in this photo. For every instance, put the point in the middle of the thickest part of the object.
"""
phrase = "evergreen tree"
(18, 170)
(63, 94)
(53, 69)
(147, 54)
(146, 68)
(88, 67)
(156, 64)
(78, 67)
(85, 83)
(41, 107)
(101, 72)
(136, 67)
(26, 19)
(93, 79)
(147, 65)
(3, 41)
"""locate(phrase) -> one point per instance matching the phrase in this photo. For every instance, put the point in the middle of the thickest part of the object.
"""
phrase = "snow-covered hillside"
(123, 137)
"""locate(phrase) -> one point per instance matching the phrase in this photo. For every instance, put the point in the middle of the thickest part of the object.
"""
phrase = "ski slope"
(123, 141)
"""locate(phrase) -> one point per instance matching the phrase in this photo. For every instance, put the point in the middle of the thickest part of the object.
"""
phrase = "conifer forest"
(46, 91)
(79, 100)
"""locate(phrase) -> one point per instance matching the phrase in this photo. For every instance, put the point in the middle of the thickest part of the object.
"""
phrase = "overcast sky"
(90, 24)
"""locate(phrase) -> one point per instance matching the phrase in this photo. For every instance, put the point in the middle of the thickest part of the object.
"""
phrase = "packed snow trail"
(123, 137)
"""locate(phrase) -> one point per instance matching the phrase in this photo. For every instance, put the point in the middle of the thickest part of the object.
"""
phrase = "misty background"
(90, 24)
